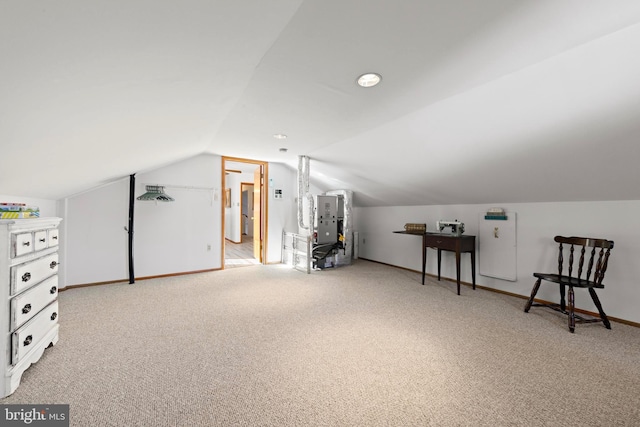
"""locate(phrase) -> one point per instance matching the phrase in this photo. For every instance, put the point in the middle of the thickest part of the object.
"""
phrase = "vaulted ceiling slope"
(480, 102)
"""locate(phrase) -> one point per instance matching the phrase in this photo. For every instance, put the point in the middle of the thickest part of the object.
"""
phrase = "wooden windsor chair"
(597, 264)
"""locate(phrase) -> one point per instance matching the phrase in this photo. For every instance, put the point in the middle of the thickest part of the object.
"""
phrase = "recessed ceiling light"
(283, 150)
(280, 136)
(369, 79)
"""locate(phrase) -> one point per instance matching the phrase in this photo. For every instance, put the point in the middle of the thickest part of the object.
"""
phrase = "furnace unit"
(332, 238)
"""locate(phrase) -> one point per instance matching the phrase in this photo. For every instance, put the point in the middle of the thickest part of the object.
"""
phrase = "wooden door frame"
(264, 208)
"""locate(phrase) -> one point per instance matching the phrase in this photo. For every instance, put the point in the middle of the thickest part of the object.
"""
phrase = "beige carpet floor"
(363, 345)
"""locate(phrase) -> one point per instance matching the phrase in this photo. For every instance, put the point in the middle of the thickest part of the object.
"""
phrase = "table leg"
(458, 270)
(424, 259)
(439, 260)
(473, 269)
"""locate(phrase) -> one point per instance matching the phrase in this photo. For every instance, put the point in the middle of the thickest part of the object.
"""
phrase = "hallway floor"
(239, 254)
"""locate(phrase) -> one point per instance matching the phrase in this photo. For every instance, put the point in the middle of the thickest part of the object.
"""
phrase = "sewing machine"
(457, 227)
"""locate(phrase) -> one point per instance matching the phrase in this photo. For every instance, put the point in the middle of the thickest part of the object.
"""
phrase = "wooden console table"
(447, 242)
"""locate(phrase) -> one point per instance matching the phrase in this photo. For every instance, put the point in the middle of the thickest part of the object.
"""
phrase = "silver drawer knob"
(26, 277)
(53, 290)
(54, 316)
(26, 243)
(53, 264)
(28, 340)
(26, 309)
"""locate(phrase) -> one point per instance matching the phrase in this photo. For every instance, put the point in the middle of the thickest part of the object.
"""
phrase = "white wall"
(174, 237)
(169, 237)
(184, 235)
(94, 233)
(282, 212)
(537, 224)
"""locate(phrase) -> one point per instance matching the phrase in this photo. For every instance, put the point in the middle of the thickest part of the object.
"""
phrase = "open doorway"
(247, 211)
(244, 223)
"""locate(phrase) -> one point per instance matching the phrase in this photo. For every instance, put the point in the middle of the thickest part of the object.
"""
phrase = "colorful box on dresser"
(18, 211)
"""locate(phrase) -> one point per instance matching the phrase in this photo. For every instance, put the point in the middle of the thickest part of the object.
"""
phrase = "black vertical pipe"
(132, 189)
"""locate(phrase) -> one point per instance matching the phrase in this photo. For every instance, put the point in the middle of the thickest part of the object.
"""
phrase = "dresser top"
(30, 223)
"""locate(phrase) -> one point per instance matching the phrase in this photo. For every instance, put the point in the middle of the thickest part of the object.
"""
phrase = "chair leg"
(563, 305)
(533, 294)
(596, 301)
(572, 314)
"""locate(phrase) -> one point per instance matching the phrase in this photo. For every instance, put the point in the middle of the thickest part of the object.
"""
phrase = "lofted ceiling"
(480, 102)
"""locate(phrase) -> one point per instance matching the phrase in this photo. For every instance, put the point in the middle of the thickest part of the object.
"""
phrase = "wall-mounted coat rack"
(155, 193)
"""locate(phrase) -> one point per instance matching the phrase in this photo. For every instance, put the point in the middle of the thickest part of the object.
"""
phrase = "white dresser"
(29, 291)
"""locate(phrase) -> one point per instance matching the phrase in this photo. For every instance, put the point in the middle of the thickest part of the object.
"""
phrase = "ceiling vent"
(156, 192)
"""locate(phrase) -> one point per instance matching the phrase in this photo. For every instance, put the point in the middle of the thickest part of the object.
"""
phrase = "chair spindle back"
(601, 261)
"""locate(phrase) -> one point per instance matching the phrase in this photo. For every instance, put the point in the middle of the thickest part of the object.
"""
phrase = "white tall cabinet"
(29, 295)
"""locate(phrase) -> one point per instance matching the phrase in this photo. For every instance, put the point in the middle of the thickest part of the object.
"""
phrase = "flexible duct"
(303, 193)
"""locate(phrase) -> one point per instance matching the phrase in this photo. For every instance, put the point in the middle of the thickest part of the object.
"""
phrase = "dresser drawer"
(29, 303)
(40, 240)
(53, 238)
(32, 332)
(25, 275)
(21, 244)
(446, 243)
